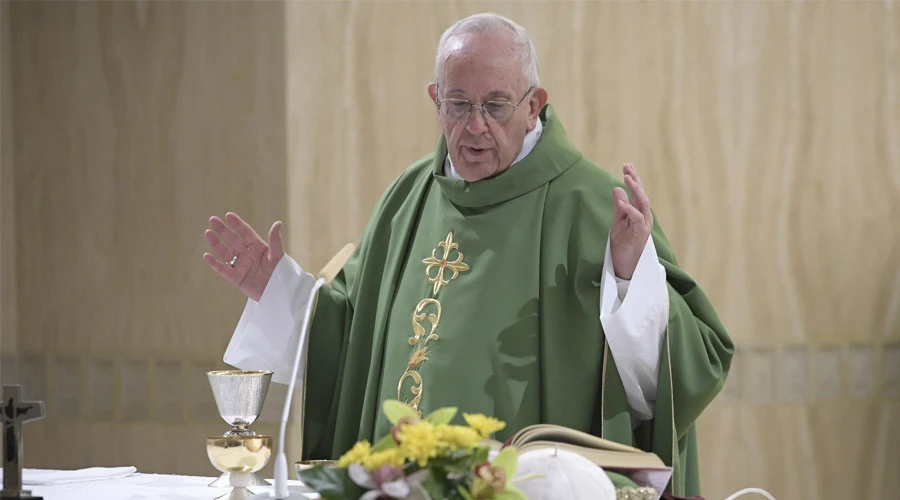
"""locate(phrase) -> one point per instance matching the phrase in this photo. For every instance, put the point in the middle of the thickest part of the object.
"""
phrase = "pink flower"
(385, 482)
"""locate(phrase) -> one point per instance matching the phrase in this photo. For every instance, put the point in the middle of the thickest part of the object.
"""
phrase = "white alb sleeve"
(634, 315)
(266, 335)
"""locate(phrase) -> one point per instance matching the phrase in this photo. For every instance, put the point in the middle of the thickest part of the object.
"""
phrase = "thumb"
(276, 249)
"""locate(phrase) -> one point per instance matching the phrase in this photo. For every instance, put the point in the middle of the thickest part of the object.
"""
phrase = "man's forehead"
(481, 65)
(489, 81)
(455, 44)
(479, 46)
(506, 91)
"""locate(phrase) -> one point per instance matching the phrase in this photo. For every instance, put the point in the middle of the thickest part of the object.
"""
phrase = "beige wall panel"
(8, 302)
(841, 194)
(137, 121)
(359, 114)
(134, 141)
(836, 449)
(845, 458)
(882, 476)
(766, 447)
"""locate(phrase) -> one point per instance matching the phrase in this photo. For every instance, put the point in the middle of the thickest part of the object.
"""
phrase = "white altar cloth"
(140, 486)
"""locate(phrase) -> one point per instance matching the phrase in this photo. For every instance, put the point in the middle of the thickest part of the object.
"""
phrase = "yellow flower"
(356, 454)
(484, 425)
(392, 456)
(418, 442)
(457, 437)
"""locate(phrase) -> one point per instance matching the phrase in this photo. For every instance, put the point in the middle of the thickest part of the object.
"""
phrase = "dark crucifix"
(14, 413)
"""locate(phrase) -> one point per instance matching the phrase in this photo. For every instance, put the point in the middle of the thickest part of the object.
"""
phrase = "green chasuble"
(484, 296)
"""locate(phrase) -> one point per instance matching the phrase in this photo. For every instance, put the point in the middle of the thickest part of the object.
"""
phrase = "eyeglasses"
(493, 110)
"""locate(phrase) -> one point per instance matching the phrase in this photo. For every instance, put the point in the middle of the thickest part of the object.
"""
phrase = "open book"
(641, 467)
(603, 452)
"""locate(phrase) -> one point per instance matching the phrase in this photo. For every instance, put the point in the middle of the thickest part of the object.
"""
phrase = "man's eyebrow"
(490, 95)
(499, 93)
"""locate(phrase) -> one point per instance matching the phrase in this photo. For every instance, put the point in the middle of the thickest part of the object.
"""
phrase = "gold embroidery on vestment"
(434, 318)
(427, 316)
(416, 389)
(419, 341)
(456, 266)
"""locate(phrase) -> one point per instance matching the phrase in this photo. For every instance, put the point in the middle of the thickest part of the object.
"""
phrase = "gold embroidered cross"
(456, 266)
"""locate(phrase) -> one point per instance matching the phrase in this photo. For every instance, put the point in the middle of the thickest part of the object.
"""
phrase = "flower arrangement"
(422, 459)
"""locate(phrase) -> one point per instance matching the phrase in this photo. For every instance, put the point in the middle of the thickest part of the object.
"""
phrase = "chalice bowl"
(240, 457)
(240, 452)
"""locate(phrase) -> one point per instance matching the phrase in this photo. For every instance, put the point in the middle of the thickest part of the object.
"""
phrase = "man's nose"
(476, 123)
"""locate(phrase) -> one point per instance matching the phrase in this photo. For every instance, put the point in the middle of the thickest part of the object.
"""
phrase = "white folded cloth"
(553, 474)
(45, 477)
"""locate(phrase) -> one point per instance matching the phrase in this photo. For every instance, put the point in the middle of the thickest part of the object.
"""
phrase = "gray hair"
(492, 23)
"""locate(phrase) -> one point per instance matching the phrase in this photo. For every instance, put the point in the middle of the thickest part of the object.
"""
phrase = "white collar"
(528, 144)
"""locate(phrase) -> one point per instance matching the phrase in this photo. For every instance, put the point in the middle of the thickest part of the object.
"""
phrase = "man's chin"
(477, 171)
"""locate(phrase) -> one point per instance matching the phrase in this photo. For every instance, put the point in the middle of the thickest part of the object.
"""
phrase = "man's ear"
(432, 91)
(535, 105)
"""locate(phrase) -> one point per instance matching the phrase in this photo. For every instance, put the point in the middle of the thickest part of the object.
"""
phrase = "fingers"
(276, 249)
(225, 253)
(227, 236)
(218, 266)
(244, 230)
(622, 209)
(620, 199)
(628, 169)
(640, 200)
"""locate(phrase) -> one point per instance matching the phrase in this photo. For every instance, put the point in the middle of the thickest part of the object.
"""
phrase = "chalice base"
(238, 493)
(224, 481)
(239, 481)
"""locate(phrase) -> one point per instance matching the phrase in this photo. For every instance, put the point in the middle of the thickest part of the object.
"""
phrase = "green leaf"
(507, 460)
(480, 455)
(442, 416)
(439, 486)
(332, 483)
(465, 494)
(394, 410)
(511, 493)
(457, 461)
(386, 443)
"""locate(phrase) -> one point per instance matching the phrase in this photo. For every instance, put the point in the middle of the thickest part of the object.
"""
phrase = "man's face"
(483, 68)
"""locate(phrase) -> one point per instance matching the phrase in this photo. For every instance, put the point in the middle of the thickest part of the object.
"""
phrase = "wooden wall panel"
(134, 123)
(8, 303)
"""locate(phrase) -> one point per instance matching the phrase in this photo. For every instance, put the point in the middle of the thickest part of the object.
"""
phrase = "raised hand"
(632, 222)
(240, 255)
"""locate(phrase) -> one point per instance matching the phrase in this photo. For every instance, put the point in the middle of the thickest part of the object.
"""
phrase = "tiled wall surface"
(806, 374)
(767, 135)
(177, 391)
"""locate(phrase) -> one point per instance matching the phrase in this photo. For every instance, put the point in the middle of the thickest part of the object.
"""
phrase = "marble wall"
(767, 134)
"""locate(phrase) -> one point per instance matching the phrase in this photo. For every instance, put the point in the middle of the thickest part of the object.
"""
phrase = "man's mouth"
(475, 152)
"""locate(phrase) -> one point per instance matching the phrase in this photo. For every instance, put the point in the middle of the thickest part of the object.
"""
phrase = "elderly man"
(481, 281)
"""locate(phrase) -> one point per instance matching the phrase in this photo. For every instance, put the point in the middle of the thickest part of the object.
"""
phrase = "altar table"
(136, 486)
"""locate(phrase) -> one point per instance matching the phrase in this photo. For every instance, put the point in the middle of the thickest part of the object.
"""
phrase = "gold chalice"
(240, 452)
(239, 457)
